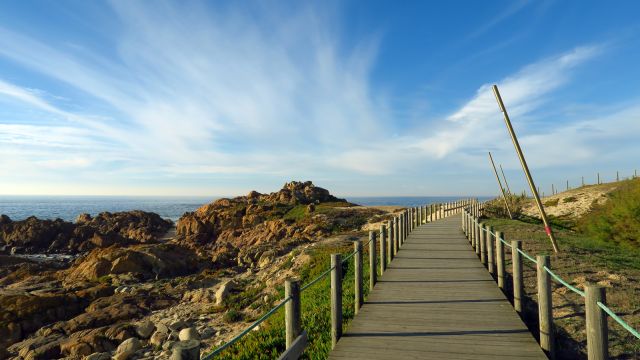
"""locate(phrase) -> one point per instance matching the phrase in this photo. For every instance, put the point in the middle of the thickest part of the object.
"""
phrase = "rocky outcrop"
(144, 261)
(34, 235)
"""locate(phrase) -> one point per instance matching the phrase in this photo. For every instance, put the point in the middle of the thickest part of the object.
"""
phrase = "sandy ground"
(572, 203)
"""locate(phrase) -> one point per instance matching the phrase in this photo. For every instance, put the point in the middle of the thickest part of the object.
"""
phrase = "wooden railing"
(492, 255)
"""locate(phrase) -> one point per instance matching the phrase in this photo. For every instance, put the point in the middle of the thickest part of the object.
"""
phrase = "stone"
(128, 348)
(207, 333)
(145, 329)
(161, 327)
(223, 292)
(189, 333)
(98, 356)
(168, 345)
(178, 325)
(158, 338)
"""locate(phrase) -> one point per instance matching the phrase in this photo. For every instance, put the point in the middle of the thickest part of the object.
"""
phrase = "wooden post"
(567, 184)
(583, 181)
(489, 243)
(336, 299)
(357, 262)
(419, 211)
(383, 247)
(545, 304)
(389, 241)
(373, 273)
(477, 235)
(186, 349)
(483, 245)
(518, 285)
(500, 258)
(292, 311)
(523, 162)
(617, 176)
(407, 230)
(401, 227)
(396, 237)
(597, 330)
(598, 178)
(504, 195)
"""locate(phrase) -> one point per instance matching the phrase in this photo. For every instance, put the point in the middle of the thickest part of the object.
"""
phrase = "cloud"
(212, 90)
(476, 124)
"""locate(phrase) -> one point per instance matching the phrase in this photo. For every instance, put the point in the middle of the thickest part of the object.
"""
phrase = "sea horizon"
(68, 207)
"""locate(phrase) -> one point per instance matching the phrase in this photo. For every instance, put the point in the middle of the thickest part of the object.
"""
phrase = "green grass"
(616, 221)
(269, 341)
(297, 213)
(552, 202)
(569, 199)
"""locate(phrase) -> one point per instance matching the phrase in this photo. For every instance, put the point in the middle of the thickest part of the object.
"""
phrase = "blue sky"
(363, 98)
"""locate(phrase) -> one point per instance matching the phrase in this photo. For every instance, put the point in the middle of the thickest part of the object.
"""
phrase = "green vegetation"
(552, 202)
(269, 341)
(617, 220)
(297, 213)
(232, 316)
(569, 199)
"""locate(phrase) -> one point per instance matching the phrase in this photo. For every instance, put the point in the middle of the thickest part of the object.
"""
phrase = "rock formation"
(34, 235)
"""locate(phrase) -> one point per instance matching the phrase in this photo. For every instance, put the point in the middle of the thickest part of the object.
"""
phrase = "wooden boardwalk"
(437, 301)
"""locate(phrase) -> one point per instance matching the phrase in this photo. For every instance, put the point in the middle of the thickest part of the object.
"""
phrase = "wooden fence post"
(518, 285)
(390, 241)
(545, 306)
(500, 258)
(490, 255)
(483, 245)
(336, 299)
(373, 272)
(383, 248)
(396, 236)
(419, 211)
(597, 330)
(292, 311)
(477, 235)
(357, 262)
(401, 227)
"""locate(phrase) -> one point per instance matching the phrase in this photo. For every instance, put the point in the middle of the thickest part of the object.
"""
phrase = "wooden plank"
(296, 349)
(436, 300)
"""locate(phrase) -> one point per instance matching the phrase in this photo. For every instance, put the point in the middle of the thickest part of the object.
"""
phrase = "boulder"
(127, 348)
(223, 292)
(158, 338)
(145, 329)
(189, 333)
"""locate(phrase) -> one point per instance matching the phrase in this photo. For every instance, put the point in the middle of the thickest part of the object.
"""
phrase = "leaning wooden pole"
(504, 197)
(523, 162)
(505, 181)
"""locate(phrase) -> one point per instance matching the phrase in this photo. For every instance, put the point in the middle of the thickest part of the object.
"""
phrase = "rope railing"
(566, 284)
(617, 318)
(476, 222)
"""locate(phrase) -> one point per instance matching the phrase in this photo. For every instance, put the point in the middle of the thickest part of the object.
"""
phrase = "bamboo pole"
(523, 162)
(505, 180)
(504, 197)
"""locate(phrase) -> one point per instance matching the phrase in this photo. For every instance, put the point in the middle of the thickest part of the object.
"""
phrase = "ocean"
(169, 207)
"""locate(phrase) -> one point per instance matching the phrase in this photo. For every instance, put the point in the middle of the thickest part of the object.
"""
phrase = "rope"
(247, 330)
(506, 243)
(569, 286)
(316, 279)
(527, 256)
(615, 317)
